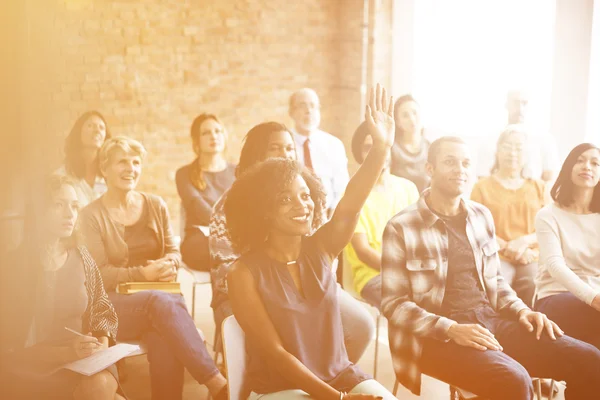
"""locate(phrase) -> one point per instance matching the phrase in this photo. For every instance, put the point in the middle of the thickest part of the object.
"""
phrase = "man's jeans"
(162, 321)
(498, 375)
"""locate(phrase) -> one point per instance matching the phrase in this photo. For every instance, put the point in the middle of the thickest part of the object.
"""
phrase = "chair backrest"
(234, 350)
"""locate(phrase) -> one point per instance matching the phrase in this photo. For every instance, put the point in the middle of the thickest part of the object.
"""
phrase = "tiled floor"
(137, 384)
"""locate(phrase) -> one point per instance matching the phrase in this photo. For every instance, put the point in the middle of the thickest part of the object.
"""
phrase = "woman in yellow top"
(390, 195)
(514, 202)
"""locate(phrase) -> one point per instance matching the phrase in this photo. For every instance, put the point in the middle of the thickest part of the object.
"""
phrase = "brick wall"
(150, 66)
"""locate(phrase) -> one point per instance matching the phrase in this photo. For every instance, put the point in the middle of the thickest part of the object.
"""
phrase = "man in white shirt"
(318, 150)
(542, 156)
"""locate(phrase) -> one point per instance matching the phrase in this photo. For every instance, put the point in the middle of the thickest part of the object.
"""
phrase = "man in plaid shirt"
(451, 314)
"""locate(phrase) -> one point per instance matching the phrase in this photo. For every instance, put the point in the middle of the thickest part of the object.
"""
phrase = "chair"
(234, 350)
(348, 286)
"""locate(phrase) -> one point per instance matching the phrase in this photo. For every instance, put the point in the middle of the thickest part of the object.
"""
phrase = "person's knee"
(518, 384)
(102, 385)
(359, 329)
(165, 301)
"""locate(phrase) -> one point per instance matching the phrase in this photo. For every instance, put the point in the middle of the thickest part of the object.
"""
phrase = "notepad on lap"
(134, 287)
(100, 360)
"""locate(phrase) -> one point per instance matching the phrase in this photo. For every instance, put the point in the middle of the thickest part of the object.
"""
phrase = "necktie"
(307, 157)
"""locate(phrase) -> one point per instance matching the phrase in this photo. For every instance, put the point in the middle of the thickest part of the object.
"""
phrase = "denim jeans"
(574, 316)
(371, 292)
(370, 386)
(520, 278)
(498, 375)
(163, 322)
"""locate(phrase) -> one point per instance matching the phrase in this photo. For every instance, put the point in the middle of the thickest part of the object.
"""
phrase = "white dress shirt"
(330, 164)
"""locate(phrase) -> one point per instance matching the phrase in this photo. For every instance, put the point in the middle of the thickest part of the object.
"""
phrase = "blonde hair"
(127, 144)
(509, 130)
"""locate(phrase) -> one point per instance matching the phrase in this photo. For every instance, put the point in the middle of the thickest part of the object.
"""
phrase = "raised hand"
(379, 117)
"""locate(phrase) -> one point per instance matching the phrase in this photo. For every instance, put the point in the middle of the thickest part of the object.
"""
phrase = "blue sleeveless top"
(310, 327)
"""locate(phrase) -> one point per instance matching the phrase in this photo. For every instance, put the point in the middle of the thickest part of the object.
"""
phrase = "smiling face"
(294, 209)
(122, 170)
(281, 144)
(586, 171)
(451, 170)
(211, 138)
(511, 152)
(62, 212)
(93, 132)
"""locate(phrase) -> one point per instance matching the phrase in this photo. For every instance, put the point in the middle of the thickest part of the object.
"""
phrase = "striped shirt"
(414, 270)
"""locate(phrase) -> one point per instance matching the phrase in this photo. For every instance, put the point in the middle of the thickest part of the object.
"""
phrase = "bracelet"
(342, 395)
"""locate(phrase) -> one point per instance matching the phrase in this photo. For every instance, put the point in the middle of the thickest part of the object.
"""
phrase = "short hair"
(253, 196)
(358, 139)
(254, 147)
(127, 144)
(434, 148)
(508, 130)
(562, 191)
(74, 163)
(303, 90)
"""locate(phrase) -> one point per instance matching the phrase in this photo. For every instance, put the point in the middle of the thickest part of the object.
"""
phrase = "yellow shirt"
(514, 210)
(380, 207)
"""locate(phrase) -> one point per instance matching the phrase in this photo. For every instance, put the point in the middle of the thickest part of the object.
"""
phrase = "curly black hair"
(253, 196)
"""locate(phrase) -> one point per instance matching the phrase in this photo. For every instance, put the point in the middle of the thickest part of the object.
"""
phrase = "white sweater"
(569, 253)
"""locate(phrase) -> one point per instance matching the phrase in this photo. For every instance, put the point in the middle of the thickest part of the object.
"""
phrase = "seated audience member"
(319, 151)
(541, 150)
(282, 291)
(409, 153)
(568, 230)
(445, 299)
(129, 235)
(265, 141)
(52, 284)
(81, 156)
(389, 196)
(513, 201)
(200, 184)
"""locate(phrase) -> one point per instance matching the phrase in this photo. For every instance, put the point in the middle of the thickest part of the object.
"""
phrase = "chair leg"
(194, 285)
(377, 320)
(395, 391)
(538, 389)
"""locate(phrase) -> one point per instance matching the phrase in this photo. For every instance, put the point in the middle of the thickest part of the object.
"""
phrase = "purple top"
(310, 327)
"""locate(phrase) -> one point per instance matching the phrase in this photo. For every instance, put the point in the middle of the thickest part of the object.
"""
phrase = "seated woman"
(409, 152)
(265, 141)
(568, 231)
(58, 287)
(513, 201)
(390, 195)
(81, 156)
(200, 184)
(129, 235)
(282, 291)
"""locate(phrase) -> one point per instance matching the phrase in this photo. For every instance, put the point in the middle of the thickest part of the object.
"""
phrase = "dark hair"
(196, 175)
(74, 164)
(562, 191)
(253, 195)
(399, 102)
(358, 140)
(434, 148)
(255, 143)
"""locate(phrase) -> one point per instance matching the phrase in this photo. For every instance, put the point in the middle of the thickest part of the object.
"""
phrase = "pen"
(77, 333)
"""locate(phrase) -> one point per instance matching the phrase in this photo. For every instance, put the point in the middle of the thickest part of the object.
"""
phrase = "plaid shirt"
(414, 269)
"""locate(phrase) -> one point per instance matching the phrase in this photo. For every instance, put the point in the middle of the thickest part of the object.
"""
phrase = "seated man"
(451, 314)
(390, 195)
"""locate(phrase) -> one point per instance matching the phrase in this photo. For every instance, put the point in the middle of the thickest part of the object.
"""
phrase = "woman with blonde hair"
(200, 184)
(129, 234)
(60, 291)
(514, 202)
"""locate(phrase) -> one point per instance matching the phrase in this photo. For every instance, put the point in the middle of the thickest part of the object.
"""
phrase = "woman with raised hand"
(87, 136)
(200, 184)
(568, 232)
(514, 202)
(129, 235)
(51, 290)
(282, 290)
(265, 141)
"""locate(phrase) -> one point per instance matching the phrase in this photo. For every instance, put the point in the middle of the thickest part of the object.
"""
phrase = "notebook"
(134, 287)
